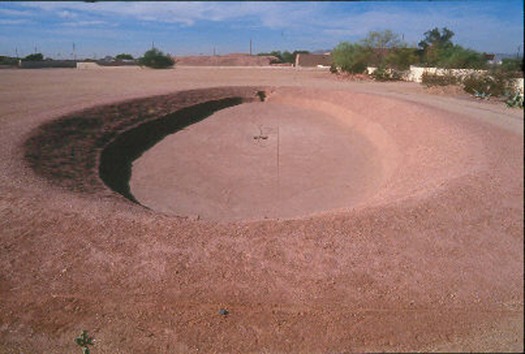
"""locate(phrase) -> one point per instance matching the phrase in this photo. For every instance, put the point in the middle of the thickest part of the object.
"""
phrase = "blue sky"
(184, 28)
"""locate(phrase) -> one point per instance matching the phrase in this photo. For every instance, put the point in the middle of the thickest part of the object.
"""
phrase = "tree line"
(386, 50)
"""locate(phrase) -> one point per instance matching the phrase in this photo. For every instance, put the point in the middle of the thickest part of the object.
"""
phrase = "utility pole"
(16, 52)
(74, 52)
(250, 46)
(152, 44)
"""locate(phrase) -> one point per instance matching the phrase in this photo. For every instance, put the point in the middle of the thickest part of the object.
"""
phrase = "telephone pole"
(250, 46)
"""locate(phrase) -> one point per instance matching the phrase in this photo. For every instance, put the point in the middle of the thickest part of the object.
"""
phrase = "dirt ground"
(225, 60)
(425, 254)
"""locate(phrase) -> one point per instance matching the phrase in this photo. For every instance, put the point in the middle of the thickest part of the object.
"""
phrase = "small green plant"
(482, 95)
(84, 340)
(514, 100)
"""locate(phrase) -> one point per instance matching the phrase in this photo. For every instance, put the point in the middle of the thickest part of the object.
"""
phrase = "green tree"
(34, 57)
(387, 50)
(124, 56)
(156, 59)
(436, 41)
(384, 39)
(437, 38)
(401, 58)
(288, 57)
(457, 57)
(512, 65)
(350, 57)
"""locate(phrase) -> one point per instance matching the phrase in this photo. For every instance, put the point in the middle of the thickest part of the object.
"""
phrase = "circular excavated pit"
(255, 161)
(233, 153)
(435, 264)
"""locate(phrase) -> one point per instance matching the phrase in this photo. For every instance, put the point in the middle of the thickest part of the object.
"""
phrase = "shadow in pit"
(117, 158)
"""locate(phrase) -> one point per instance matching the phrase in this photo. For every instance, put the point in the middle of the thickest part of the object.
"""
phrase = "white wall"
(87, 65)
(416, 72)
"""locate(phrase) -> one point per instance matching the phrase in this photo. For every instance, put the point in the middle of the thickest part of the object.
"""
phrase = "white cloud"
(15, 13)
(322, 22)
(13, 22)
(87, 23)
(269, 14)
(67, 14)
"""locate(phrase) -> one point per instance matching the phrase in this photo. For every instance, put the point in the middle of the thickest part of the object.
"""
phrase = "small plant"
(514, 100)
(84, 340)
(261, 95)
(495, 84)
(482, 95)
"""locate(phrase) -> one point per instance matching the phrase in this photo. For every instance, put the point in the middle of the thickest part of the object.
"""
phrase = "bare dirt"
(257, 161)
(428, 258)
(226, 60)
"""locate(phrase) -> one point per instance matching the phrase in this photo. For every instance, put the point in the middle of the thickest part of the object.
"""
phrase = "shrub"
(512, 66)
(484, 85)
(156, 59)
(514, 99)
(401, 58)
(34, 57)
(384, 74)
(429, 79)
(124, 56)
(458, 57)
(8, 60)
(351, 58)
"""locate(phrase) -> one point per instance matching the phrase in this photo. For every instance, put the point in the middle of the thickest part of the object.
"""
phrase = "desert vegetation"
(124, 56)
(156, 59)
(390, 54)
(34, 57)
(392, 57)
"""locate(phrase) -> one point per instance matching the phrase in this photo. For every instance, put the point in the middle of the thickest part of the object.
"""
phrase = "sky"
(62, 30)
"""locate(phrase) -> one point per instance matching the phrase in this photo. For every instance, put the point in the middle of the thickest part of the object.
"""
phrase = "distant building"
(313, 60)
(490, 58)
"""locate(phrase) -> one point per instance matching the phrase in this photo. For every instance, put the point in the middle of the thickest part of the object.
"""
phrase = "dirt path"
(432, 260)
